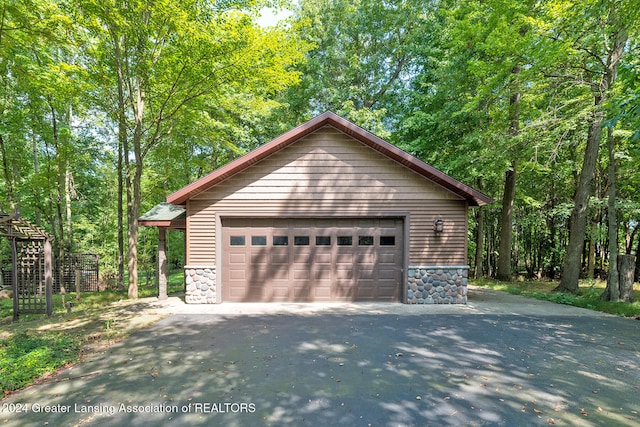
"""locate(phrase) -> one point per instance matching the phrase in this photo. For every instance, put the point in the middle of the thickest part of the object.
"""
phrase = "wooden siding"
(328, 173)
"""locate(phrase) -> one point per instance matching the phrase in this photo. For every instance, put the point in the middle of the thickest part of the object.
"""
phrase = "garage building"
(325, 212)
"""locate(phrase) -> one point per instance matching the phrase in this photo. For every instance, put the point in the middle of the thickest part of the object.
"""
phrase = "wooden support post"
(78, 281)
(48, 277)
(162, 263)
(14, 278)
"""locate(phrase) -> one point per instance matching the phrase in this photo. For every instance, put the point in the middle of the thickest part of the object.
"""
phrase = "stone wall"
(200, 285)
(437, 284)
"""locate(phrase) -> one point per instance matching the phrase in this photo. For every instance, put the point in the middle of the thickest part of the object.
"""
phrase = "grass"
(100, 299)
(588, 295)
(36, 346)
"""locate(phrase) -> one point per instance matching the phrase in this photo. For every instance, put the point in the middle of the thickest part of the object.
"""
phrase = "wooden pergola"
(32, 265)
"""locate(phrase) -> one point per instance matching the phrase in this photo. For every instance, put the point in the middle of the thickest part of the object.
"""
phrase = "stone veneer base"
(437, 284)
(200, 284)
(425, 284)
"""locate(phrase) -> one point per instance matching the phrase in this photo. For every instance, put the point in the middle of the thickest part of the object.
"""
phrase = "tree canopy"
(105, 107)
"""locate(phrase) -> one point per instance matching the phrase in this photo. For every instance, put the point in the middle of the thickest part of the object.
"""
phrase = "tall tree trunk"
(625, 278)
(7, 176)
(36, 167)
(69, 192)
(506, 226)
(120, 220)
(60, 174)
(133, 211)
(132, 236)
(477, 272)
(509, 194)
(134, 190)
(591, 256)
(612, 291)
(132, 232)
(593, 233)
(68, 189)
(578, 223)
(122, 142)
(572, 262)
(637, 273)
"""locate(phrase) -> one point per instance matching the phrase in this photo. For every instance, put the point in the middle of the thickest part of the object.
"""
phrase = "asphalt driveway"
(501, 360)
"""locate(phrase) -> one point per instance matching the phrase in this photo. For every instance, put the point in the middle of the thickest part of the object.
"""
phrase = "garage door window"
(365, 240)
(301, 240)
(387, 240)
(258, 240)
(237, 241)
(345, 240)
(280, 240)
(323, 240)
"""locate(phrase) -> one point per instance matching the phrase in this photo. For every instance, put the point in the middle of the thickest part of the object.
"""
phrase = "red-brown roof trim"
(474, 197)
(175, 224)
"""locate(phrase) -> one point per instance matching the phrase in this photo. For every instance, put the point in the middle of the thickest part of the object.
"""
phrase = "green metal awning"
(164, 215)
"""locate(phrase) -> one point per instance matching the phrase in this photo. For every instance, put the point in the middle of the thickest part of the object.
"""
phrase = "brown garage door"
(343, 259)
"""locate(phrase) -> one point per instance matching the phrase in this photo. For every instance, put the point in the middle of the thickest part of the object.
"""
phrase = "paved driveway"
(501, 360)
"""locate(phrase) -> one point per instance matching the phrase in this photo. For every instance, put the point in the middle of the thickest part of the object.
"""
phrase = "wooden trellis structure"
(77, 272)
(32, 265)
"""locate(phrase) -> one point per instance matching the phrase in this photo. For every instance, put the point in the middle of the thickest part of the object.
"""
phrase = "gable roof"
(474, 197)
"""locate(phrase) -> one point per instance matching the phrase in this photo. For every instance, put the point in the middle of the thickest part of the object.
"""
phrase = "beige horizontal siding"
(329, 174)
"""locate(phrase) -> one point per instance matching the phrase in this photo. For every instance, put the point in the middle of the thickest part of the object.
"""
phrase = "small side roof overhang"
(474, 197)
(164, 215)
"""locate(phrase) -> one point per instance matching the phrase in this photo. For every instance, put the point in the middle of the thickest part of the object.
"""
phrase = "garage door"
(307, 260)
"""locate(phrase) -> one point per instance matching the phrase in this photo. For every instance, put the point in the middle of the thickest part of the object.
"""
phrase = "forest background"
(108, 106)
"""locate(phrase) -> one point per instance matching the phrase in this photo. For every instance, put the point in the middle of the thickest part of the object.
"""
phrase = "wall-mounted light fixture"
(438, 225)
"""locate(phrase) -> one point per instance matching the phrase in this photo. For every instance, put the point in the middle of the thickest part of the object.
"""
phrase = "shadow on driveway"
(374, 369)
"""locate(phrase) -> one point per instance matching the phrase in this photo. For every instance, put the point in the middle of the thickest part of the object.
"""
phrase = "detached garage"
(325, 212)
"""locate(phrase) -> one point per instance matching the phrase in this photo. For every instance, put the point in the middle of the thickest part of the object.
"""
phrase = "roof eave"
(475, 197)
(177, 224)
(260, 153)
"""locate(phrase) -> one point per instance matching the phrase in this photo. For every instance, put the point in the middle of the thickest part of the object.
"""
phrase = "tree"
(19, 28)
(362, 60)
(41, 86)
(612, 291)
(598, 55)
(473, 96)
(159, 61)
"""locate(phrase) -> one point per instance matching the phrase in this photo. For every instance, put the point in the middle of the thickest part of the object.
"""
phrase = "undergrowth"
(588, 295)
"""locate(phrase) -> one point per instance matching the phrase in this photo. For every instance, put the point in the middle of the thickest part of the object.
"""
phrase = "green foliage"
(457, 113)
(28, 352)
(362, 59)
(159, 66)
(26, 356)
(588, 296)
(433, 77)
(6, 308)
(198, 90)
